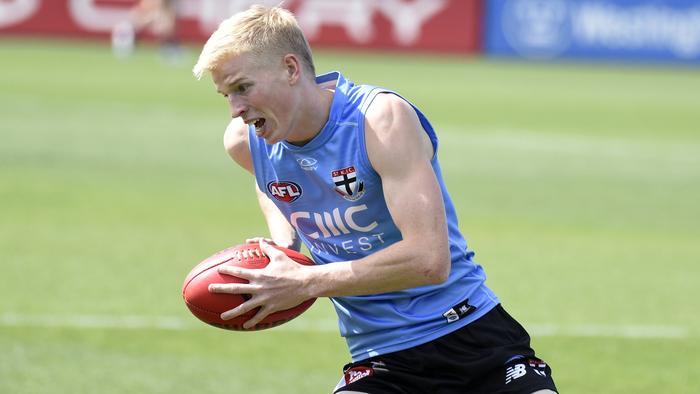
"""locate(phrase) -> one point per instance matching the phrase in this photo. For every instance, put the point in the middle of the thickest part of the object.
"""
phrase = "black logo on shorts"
(459, 311)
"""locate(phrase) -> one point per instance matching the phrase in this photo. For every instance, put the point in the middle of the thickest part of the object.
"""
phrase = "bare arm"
(400, 152)
(236, 143)
(281, 232)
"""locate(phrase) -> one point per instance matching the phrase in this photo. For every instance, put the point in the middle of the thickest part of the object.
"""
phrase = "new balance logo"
(514, 372)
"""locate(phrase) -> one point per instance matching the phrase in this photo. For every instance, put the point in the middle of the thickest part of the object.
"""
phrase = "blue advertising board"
(636, 30)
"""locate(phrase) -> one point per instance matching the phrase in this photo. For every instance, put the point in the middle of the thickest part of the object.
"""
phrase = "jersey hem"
(444, 330)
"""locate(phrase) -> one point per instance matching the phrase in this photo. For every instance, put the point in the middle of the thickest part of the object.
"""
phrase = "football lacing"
(248, 254)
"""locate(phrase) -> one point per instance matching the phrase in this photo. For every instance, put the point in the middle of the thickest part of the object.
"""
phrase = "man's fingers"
(252, 275)
(256, 240)
(238, 272)
(233, 288)
(269, 250)
(239, 310)
(262, 313)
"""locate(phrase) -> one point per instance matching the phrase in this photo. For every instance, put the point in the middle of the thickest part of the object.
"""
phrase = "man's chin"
(271, 139)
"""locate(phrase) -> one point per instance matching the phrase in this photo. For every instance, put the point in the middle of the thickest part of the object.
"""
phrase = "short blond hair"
(263, 31)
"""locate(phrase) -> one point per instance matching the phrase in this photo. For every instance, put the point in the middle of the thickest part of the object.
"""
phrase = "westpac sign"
(595, 29)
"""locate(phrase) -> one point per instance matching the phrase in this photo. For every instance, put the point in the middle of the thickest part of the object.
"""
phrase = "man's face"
(259, 94)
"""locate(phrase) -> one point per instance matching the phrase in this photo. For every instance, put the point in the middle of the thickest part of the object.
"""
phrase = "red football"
(208, 306)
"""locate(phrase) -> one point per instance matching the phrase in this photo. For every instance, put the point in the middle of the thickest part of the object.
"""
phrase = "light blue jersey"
(330, 193)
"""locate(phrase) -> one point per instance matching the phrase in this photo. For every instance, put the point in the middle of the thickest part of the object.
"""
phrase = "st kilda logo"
(284, 191)
(346, 183)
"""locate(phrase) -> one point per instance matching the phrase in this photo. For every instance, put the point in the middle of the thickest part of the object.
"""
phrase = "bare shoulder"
(393, 132)
(385, 111)
(236, 143)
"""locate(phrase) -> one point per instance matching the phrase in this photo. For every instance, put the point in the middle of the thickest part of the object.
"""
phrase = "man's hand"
(281, 285)
(257, 240)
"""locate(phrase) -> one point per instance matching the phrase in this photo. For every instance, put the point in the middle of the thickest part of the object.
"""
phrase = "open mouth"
(258, 123)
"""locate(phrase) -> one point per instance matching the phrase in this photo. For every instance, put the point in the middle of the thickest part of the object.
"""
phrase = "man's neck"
(314, 114)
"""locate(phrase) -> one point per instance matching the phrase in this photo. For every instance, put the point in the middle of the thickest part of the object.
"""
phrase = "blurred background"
(570, 143)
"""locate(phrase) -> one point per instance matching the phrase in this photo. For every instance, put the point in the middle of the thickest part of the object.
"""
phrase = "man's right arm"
(236, 143)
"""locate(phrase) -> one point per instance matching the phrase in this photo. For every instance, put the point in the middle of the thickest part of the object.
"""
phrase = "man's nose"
(237, 105)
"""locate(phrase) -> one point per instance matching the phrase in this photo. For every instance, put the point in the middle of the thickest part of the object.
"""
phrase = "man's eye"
(241, 88)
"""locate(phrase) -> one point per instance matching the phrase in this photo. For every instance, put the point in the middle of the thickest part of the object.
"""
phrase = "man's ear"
(292, 68)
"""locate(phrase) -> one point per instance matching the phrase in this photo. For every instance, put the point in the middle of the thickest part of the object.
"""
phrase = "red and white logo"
(536, 363)
(346, 183)
(284, 191)
(354, 374)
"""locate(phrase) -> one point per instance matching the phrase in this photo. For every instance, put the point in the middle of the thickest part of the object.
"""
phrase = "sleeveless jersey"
(329, 192)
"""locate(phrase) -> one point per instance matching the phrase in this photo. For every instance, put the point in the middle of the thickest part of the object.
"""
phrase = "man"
(157, 16)
(351, 171)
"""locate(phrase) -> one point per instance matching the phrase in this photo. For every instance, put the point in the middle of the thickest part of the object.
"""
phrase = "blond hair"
(263, 31)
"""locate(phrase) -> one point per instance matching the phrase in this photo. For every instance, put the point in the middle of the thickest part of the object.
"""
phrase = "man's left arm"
(401, 152)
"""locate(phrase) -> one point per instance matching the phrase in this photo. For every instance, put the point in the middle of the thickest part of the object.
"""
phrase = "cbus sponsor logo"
(284, 191)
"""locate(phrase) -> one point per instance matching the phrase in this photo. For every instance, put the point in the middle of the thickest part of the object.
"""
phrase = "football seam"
(255, 328)
(199, 308)
(203, 271)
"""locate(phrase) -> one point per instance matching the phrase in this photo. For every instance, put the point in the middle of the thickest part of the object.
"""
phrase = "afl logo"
(284, 191)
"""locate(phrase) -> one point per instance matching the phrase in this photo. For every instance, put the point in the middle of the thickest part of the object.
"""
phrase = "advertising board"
(426, 25)
(634, 30)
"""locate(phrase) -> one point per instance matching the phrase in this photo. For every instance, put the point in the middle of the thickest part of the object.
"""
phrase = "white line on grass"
(95, 321)
(140, 322)
(606, 330)
(528, 140)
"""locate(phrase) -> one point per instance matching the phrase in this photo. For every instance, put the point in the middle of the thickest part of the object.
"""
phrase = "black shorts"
(489, 355)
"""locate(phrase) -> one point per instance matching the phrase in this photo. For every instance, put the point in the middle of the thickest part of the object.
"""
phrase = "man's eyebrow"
(228, 82)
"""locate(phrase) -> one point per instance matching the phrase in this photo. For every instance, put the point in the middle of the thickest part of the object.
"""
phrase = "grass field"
(578, 186)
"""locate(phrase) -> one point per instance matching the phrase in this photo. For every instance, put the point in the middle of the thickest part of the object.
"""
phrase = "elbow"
(436, 268)
(442, 273)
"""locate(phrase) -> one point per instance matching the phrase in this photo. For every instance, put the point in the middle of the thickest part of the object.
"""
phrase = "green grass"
(577, 185)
